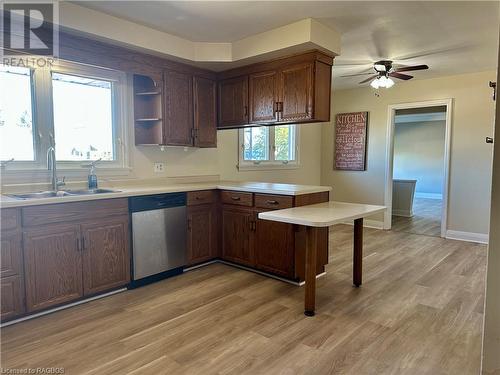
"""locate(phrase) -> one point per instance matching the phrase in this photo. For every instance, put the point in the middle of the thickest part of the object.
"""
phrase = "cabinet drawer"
(273, 201)
(237, 198)
(10, 218)
(200, 197)
(75, 211)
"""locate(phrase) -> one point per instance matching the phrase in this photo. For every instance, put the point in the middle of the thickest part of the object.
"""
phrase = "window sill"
(267, 166)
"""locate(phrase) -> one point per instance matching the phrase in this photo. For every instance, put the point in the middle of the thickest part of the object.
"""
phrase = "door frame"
(391, 112)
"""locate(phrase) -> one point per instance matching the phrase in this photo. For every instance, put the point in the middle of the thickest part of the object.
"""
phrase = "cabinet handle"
(245, 109)
(83, 243)
(189, 225)
(78, 244)
(253, 225)
(234, 198)
(272, 202)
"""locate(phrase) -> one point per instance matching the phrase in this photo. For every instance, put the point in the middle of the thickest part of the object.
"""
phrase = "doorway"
(418, 167)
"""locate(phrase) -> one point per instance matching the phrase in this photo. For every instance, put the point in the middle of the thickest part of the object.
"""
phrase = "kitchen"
(182, 208)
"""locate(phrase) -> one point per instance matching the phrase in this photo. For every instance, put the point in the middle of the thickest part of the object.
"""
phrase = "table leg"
(357, 274)
(311, 255)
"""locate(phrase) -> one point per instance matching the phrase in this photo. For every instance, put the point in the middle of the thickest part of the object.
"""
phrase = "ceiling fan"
(384, 71)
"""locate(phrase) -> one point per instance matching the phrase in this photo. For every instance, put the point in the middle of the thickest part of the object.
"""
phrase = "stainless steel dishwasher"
(158, 236)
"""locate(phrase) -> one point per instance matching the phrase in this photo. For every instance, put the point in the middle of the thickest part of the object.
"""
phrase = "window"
(268, 147)
(16, 114)
(82, 110)
(79, 109)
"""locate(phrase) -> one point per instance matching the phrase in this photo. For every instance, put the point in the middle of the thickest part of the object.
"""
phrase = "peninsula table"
(323, 215)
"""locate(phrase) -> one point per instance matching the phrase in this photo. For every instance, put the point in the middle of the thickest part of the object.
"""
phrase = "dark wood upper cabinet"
(53, 265)
(296, 93)
(263, 97)
(202, 233)
(205, 112)
(294, 89)
(178, 113)
(233, 102)
(106, 259)
(237, 235)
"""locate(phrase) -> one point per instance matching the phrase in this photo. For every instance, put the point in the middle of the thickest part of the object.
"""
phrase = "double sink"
(61, 193)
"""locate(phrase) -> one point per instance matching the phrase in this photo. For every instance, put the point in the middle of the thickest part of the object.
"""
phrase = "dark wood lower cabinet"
(274, 247)
(202, 233)
(12, 292)
(237, 224)
(106, 259)
(53, 265)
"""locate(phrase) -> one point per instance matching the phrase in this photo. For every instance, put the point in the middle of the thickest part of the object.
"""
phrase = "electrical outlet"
(159, 167)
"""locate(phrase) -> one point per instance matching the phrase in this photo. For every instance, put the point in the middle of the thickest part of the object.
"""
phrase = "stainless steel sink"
(60, 193)
(39, 194)
(91, 191)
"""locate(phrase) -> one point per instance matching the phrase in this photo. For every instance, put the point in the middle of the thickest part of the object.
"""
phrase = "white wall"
(223, 160)
(491, 340)
(470, 170)
(419, 154)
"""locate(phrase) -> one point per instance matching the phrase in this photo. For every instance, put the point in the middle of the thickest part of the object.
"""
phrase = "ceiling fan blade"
(411, 68)
(369, 79)
(405, 77)
(457, 48)
(357, 74)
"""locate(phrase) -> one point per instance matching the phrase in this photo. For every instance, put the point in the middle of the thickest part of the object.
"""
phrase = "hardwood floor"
(419, 311)
(426, 218)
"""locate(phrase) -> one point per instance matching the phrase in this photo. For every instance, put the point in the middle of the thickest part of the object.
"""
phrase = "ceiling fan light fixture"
(382, 81)
(379, 67)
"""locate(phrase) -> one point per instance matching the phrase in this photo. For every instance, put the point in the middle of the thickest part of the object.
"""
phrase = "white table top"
(322, 214)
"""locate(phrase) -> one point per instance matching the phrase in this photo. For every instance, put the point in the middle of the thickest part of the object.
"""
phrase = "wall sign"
(350, 141)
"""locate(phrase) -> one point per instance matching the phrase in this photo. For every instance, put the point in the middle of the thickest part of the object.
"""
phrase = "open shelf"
(148, 111)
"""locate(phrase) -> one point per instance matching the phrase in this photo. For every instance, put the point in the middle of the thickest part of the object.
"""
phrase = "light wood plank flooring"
(426, 218)
(419, 311)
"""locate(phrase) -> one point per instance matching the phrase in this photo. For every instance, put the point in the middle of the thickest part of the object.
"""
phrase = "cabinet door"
(202, 233)
(274, 247)
(205, 115)
(53, 265)
(106, 261)
(178, 109)
(236, 235)
(233, 102)
(296, 93)
(12, 292)
(11, 254)
(263, 97)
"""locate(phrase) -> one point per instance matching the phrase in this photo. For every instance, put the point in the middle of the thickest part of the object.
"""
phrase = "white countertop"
(322, 214)
(130, 191)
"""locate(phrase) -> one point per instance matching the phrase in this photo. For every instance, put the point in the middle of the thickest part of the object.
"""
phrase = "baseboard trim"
(63, 307)
(404, 213)
(429, 195)
(467, 236)
(367, 223)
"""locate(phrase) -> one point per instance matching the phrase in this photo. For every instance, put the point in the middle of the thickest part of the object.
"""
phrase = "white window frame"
(271, 164)
(43, 123)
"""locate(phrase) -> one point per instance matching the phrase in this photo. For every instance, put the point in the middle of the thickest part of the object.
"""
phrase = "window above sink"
(79, 108)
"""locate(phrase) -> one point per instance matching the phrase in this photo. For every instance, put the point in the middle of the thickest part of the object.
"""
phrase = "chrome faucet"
(51, 165)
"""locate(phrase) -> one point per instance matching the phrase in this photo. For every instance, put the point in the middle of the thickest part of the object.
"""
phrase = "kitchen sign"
(350, 141)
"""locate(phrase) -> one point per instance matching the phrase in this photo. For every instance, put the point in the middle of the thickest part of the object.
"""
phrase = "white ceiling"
(452, 37)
